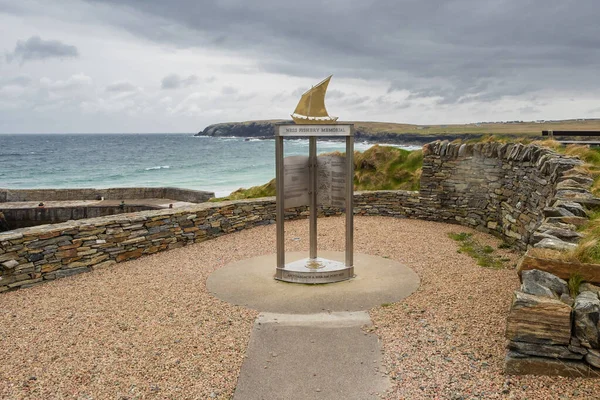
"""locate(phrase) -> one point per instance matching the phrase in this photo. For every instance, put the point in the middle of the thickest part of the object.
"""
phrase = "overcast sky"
(177, 66)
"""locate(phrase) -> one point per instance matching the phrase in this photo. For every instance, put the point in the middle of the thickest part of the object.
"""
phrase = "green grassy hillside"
(378, 168)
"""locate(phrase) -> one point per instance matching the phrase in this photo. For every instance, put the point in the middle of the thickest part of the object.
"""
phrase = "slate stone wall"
(493, 187)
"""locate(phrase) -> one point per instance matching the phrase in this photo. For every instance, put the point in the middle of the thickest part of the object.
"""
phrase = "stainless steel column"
(280, 211)
(350, 199)
(312, 163)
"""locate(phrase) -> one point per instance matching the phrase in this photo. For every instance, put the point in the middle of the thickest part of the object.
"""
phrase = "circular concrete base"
(250, 283)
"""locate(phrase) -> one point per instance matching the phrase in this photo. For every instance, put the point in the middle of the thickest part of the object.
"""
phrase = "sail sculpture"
(311, 107)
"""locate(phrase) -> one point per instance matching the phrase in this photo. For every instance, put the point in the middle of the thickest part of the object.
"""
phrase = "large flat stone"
(554, 243)
(537, 319)
(586, 314)
(517, 364)
(562, 269)
(544, 350)
(542, 283)
(593, 358)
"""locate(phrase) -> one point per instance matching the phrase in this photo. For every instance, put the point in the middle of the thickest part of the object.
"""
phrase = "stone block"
(517, 364)
(555, 244)
(575, 208)
(544, 350)
(50, 267)
(10, 264)
(62, 273)
(535, 281)
(104, 264)
(129, 255)
(586, 315)
(588, 287)
(42, 243)
(8, 256)
(562, 269)
(537, 319)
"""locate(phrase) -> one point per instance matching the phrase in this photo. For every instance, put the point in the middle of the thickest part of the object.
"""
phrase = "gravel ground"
(147, 329)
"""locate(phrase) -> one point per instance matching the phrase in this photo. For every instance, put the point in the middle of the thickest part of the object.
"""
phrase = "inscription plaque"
(331, 181)
(296, 181)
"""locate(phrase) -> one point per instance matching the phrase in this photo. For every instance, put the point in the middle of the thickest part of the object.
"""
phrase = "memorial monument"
(313, 181)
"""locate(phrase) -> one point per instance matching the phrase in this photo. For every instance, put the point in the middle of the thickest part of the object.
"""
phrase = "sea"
(216, 164)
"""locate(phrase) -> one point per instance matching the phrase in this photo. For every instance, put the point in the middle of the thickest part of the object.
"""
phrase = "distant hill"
(389, 132)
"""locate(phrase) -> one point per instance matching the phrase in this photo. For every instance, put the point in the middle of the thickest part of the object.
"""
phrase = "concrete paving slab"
(318, 356)
(250, 283)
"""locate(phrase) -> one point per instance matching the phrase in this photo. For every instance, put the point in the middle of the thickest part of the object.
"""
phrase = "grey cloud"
(121, 87)
(229, 91)
(595, 110)
(528, 110)
(174, 81)
(21, 81)
(458, 50)
(35, 48)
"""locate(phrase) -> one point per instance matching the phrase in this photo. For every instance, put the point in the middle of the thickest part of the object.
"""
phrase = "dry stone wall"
(494, 187)
(32, 255)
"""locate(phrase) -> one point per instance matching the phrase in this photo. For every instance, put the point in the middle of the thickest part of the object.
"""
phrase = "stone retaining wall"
(32, 255)
(192, 196)
(494, 187)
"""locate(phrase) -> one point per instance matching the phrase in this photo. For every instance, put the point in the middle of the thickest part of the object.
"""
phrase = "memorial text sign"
(331, 181)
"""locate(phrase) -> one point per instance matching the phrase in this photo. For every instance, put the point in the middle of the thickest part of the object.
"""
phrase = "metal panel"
(313, 130)
(296, 181)
(350, 201)
(331, 181)
(279, 202)
(312, 157)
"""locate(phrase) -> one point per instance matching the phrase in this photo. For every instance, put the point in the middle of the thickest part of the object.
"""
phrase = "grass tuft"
(587, 251)
(460, 237)
(574, 283)
(484, 255)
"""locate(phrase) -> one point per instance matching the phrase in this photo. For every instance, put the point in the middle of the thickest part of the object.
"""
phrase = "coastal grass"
(377, 168)
(266, 190)
(484, 255)
(575, 281)
(387, 168)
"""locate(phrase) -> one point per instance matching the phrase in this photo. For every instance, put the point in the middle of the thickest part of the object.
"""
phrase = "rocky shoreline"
(265, 130)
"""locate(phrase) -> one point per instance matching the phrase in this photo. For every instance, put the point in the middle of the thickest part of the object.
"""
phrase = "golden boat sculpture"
(311, 107)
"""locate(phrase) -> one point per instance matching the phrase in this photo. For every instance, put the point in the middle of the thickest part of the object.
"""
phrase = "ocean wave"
(158, 167)
(15, 154)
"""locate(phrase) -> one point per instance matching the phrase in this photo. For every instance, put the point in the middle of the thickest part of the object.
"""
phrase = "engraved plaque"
(313, 130)
(296, 181)
(331, 181)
